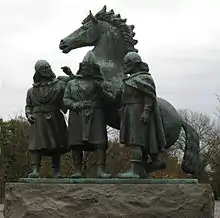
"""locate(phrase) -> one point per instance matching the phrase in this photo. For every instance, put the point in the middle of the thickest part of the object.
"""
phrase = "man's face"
(128, 66)
(86, 71)
(45, 69)
(86, 74)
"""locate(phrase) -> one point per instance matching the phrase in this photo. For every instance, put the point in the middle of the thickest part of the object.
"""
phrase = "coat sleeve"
(29, 104)
(150, 92)
(148, 103)
(62, 86)
(67, 100)
(105, 90)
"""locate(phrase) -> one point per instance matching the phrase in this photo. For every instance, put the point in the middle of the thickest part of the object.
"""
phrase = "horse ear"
(104, 9)
(93, 18)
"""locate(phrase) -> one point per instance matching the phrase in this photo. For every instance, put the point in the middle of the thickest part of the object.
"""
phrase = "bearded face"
(128, 66)
(43, 71)
(89, 70)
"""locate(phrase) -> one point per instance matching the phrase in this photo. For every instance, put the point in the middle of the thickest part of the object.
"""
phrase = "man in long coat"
(141, 124)
(44, 102)
(87, 125)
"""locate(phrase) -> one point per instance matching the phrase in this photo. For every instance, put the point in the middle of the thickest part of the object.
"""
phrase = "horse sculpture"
(112, 38)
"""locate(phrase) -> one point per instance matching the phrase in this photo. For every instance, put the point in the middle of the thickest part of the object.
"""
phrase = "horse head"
(111, 37)
(87, 35)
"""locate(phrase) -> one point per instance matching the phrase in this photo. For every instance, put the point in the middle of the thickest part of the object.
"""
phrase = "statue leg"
(157, 163)
(101, 162)
(136, 164)
(35, 163)
(77, 156)
(143, 172)
(56, 165)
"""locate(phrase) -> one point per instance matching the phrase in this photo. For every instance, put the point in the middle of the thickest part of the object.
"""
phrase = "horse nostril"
(61, 41)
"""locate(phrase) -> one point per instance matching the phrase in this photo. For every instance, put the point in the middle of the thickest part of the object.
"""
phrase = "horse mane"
(116, 20)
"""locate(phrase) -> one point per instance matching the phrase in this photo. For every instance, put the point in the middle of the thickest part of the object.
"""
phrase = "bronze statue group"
(85, 94)
(112, 87)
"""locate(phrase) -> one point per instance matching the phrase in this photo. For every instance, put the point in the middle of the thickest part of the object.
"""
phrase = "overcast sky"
(179, 39)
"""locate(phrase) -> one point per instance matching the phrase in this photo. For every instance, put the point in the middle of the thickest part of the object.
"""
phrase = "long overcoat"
(86, 125)
(45, 101)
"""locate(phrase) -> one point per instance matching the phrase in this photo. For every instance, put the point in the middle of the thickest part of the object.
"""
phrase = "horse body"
(112, 38)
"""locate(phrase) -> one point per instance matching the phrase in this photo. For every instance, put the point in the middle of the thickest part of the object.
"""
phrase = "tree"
(214, 161)
(14, 156)
(207, 129)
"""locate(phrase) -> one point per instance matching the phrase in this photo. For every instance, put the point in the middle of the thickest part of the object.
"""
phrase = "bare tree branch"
(207, 129)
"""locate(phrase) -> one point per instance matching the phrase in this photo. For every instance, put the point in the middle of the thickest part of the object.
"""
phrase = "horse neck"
(110, 52)
(110, 48)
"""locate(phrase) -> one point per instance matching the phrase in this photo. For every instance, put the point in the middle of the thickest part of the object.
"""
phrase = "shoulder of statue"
(72, 82)
(55, 80)
(78, 76)
(145, 76)
(142, 74)
(30, 90)
(138, 76)
(53, 83)
(37, 84)
(63, 78)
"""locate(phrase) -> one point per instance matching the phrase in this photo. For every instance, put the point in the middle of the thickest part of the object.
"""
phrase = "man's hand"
(99, 85)
(119, 93)
(30, 119)
(145, 116)
(121, 110)
(76, 106)
(66, 70)
(87, 104)
(79, 105)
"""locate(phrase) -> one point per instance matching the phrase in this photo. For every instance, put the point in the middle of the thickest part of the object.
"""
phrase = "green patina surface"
(108, 181)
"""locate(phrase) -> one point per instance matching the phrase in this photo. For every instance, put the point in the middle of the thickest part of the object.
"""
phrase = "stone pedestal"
(93, 198)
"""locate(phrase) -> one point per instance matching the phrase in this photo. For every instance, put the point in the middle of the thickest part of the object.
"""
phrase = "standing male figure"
(44, 102)
(141, 125)
(87, 127)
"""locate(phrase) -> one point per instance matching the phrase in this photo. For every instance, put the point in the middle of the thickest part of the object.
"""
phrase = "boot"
(101, 161)
(131, 173)
(35, 163)
(56, 173)
(56, 166)
(157, 163)
(77, 156)
(136, 170)
(34, 173)
(142, 172)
